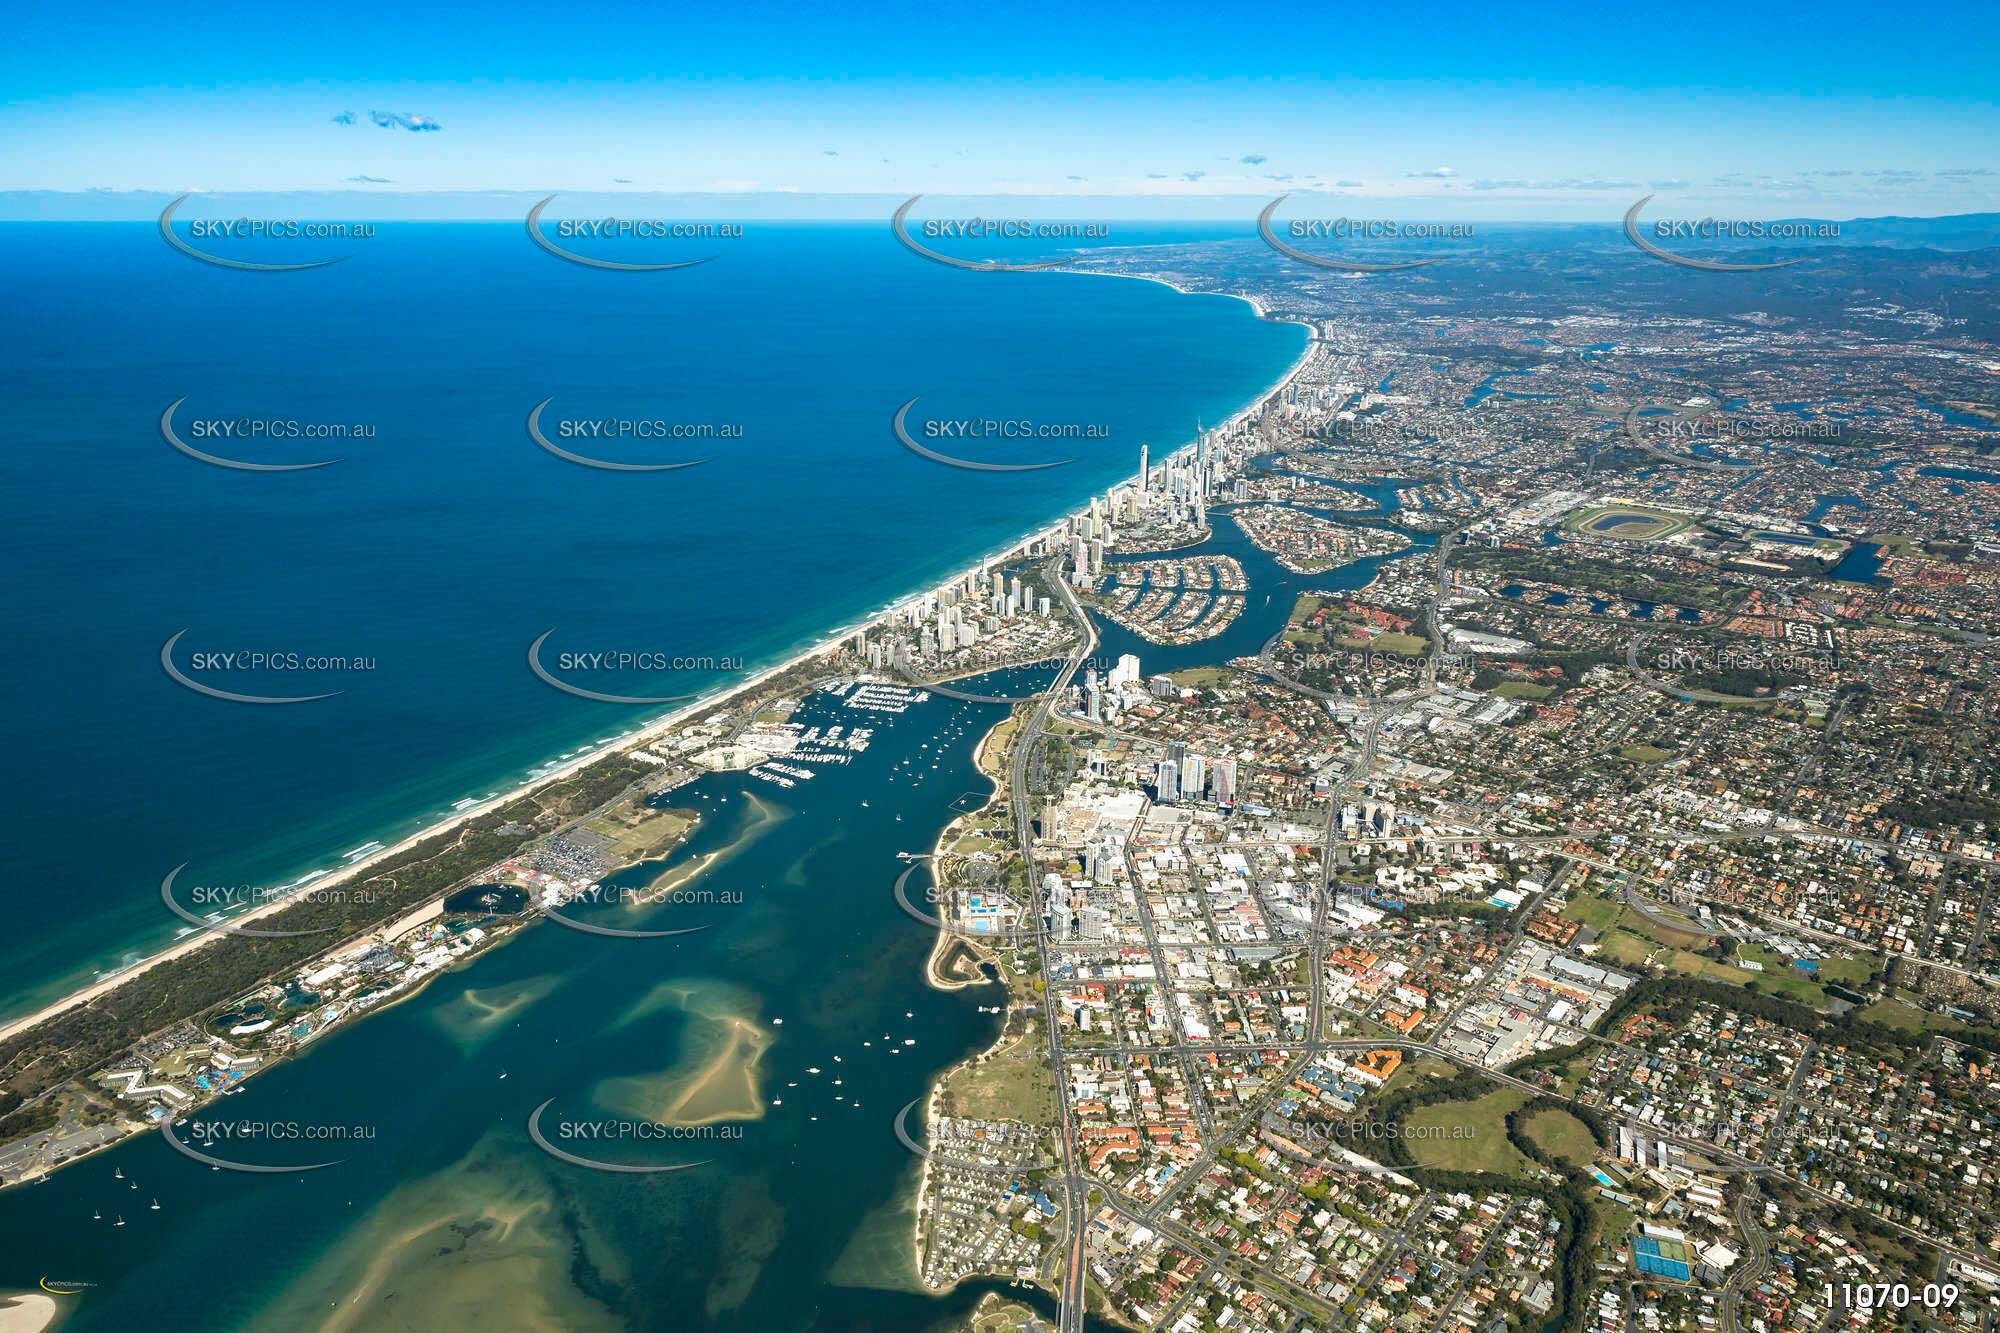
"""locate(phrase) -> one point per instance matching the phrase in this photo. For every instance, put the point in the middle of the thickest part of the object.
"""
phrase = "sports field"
(1632, 523)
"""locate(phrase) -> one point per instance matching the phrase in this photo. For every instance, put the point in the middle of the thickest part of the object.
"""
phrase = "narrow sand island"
(720, 1076)
(827, 648)
(487, 1242)
(26, 1311)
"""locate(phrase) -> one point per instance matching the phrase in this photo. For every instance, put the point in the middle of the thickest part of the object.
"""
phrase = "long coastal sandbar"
(642, 736)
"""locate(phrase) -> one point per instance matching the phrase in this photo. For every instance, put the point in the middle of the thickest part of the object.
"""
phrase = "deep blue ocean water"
(441, 546)
(440, 1213)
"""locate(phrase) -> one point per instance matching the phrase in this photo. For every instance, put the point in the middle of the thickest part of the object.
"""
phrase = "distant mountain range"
(1963, 231)
(1960, 231)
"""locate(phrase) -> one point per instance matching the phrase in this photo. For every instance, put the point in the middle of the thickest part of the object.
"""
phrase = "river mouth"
(772, 1047)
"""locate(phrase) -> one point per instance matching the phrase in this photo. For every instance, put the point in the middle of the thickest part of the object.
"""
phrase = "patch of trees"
(1743, 682)
(1674, 999)
(1486, 913)
(1573, 1205)
(1569, 1203)
(1938, 810)
(1605, 575)
(79, 1039)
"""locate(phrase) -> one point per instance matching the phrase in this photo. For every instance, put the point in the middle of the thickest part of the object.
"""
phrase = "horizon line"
(142, 204)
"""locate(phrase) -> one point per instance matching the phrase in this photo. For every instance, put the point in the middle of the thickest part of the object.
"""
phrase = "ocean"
(426, 560)
(440, 1212)
(444, 541)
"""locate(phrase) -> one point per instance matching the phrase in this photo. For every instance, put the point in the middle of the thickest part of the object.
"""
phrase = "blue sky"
(1496, 110)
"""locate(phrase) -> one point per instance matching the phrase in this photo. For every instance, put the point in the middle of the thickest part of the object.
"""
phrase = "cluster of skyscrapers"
(958, 616)
(1103, 699)
(1177, 493)
(1183, 777)
(1067, 914)
(1370, 819)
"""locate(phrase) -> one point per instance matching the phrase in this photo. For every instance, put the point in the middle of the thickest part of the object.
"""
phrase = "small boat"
(156, 1205)
(118, 1173)
(120, 1222)
(96, 1216)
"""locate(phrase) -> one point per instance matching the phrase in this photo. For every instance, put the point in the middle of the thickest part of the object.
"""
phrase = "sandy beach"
(637, 739)
(26, 1311)
(640, 737)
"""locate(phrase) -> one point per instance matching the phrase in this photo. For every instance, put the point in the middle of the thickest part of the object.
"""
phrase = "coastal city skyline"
(1031, 671)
